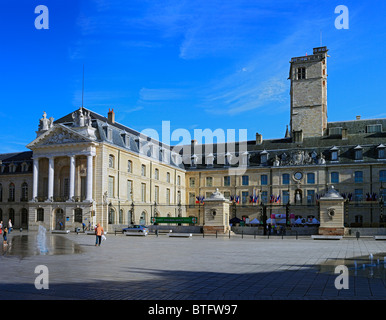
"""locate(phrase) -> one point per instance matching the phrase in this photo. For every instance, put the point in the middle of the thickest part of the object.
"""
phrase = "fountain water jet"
(42, 240)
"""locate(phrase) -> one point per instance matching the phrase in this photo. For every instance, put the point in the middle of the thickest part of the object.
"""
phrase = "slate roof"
(16, 158)
(313, 147)
(102, 123)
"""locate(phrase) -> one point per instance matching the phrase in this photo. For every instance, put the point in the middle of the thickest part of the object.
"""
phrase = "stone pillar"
(331, 214)
(89, 178)
(72, 178)
(50, 179)
(35, 179)
(216, 211)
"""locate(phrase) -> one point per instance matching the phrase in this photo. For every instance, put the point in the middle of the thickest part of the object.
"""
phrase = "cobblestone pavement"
(210, 268)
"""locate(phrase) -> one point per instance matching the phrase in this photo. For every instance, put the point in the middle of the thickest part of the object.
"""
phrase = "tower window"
(373, 128)
(301, 73)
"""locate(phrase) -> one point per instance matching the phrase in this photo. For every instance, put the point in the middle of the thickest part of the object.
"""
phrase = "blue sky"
(198, 64)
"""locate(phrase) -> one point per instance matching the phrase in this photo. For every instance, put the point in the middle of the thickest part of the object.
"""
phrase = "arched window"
(11, 215)
(78, 215)
(111, 161)
(24, 217)
(142, 218)
(120, 216)
(111, 216)
(129, 217)
(11, 196)
(24, 191)
(40, 214)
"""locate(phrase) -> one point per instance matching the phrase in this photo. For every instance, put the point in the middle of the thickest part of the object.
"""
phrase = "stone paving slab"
(196, 268)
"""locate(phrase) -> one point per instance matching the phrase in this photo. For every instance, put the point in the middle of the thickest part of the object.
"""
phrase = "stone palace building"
(85, 167)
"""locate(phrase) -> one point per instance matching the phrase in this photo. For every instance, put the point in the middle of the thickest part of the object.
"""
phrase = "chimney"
(259, 138)
(111, 116)
(297, 136)
(344, 134)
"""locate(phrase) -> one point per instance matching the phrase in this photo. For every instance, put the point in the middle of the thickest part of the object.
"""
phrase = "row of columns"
(89, 180)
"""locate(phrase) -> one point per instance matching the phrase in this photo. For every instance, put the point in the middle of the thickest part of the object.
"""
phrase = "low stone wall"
(366, 231)
(174, 228)
(290, 231)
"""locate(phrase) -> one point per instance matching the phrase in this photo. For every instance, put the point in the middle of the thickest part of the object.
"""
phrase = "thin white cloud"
(147, 94)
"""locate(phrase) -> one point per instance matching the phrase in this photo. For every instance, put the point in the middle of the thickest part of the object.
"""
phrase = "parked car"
(136, 228)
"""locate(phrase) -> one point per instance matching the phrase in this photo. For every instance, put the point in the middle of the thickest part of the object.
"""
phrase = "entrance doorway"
(59, 219)
(24, 218)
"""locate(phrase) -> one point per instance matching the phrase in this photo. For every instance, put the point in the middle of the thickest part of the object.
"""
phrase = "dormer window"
(151, 149)
(193, 161)
(126, 139)
(358, 150)
(209, 160)
(264, 157)
(165, 155)
(228, 159)
(176, 158)
(334, 154)
(108, 132)
(244, 158)
(381, 152)
(24, 167)
(12, 168)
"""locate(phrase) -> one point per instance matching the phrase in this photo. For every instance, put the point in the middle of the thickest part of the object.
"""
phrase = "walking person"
(9, 226)
(5, 231)
(98, 232)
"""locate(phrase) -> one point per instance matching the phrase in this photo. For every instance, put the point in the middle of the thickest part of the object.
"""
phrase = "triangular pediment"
(58, 135)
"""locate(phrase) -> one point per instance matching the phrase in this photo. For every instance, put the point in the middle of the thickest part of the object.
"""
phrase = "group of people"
(5, 230)
(276, 229)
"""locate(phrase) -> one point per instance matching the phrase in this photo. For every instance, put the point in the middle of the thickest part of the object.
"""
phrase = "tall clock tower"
(308, 76)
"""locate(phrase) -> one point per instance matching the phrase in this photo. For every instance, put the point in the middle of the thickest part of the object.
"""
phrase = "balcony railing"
(59, 198)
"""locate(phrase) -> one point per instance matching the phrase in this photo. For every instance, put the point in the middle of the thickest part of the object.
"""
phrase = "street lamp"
(287, 208)
(381, 190)
(132, 213)
(179, 209)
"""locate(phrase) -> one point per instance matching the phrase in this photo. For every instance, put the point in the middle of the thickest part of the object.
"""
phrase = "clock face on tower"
(298, 175)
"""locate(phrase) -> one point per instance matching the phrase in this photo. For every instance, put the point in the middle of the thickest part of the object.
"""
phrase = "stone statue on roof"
(44, 123)
(81, 118)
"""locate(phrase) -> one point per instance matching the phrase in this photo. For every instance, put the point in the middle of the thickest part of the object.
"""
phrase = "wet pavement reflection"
(25, 245)
(371, 266)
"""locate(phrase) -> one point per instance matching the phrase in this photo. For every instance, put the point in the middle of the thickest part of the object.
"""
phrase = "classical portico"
(58, 177)
(63, 170)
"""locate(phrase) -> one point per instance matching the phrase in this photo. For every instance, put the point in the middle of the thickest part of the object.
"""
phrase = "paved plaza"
(210, 268)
